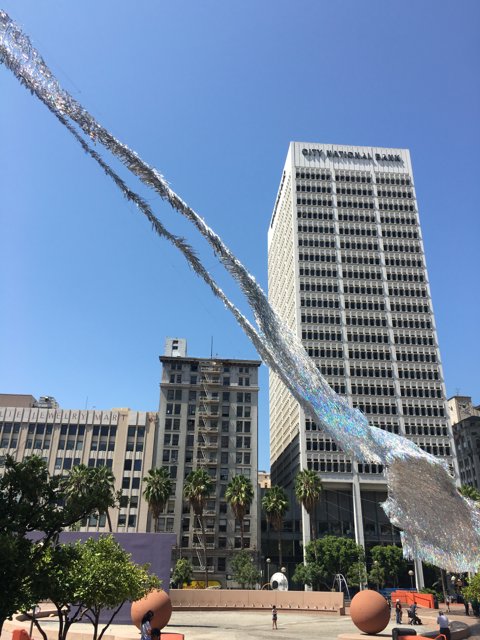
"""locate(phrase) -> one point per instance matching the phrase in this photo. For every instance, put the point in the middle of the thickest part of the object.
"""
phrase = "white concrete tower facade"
(347, 272)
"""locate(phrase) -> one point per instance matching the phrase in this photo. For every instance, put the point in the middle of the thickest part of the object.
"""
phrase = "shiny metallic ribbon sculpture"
(438, 525)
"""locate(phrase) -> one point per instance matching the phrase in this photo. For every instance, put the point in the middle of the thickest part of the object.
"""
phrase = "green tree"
(158, 488)
(390, 557)
(244, 570)
(31, 500)
(83, 578)
(312, 575)
(239, 495)
(183, 572)
(357, 574)
(308, 489)
(196, 489)
(96, 484)
(327, 557)
(275, 505)
(377, 575)
(468, 491)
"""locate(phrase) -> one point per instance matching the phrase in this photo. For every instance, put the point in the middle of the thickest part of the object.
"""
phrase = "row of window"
(352, 191)
(375, 338)
(398, 220)
(315, 242)
(308, 214)
(406, 307)
(357, 217)
(321, 335)
(395, 206)
(415, 339)
(313, 202)
(405, 277)
(418, 374)
(401, 248)
(320, 287)
(312, 175)
(315, 228)
(314, 188)
(353, 177)
(415, 410)
(325, 303)
(372, 390)
(382, 408)
(419, 392)
(425, 430)
(317, 257)
(355, 204)
(318, 272)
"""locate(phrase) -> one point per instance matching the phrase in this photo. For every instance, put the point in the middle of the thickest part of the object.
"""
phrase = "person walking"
(274, 617)
(448, 599)
(398, 612)
(443, 623)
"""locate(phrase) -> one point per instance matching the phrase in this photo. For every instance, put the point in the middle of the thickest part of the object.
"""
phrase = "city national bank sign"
(311, 154)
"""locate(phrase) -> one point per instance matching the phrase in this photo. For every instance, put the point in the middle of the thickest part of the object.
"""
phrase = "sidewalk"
(252, 625)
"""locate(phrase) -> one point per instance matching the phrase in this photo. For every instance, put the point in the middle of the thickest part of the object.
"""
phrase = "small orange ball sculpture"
(369, 611)
(157, 601)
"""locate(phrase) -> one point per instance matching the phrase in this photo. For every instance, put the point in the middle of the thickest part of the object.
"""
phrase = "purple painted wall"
(154, 549)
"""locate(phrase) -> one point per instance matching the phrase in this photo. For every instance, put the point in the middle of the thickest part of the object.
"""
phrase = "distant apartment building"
(208, 417)
(466, 433)
(119, 439)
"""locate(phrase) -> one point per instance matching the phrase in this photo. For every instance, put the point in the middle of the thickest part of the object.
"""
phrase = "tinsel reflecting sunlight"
(438, 525)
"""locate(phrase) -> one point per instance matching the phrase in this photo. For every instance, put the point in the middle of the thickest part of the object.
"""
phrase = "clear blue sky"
(211, 93)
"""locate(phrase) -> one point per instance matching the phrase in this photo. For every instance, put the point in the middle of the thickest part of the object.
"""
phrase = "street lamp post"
(411, 574)
(268, 561)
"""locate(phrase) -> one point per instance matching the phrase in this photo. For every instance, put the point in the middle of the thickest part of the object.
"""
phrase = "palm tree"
(104, 487)
(94, 484)
(308, 489)
(275, 505)
(239, 495)
(158, 488)
(196, 489)
(468, 491)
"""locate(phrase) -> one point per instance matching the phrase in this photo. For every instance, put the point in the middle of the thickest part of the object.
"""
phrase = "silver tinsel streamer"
(422, 495)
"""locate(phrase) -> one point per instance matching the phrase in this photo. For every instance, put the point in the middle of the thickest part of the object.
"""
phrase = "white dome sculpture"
(279, 582)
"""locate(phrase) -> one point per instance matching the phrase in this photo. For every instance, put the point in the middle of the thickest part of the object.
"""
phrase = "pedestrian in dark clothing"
(398, 612)
(274, 617)
(146, 628)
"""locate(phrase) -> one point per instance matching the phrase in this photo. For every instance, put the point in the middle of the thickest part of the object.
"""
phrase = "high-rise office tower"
(208, 418)
(347, 273)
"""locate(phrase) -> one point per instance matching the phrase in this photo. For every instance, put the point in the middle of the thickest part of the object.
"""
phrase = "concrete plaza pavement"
(251, 625)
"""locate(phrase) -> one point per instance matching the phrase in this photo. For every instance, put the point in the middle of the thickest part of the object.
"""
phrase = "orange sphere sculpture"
(157, 601)
(369, 611)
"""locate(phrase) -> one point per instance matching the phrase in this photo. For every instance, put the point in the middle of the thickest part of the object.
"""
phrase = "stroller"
(412, 615)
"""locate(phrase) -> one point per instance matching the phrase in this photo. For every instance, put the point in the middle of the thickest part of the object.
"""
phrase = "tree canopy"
(158, 488)
(32, 500)
(239, 495)
(327, 557)
(308, 489)
(83, 578)
(244, 570)
(196, 489)
(275, 505)
(390, 558)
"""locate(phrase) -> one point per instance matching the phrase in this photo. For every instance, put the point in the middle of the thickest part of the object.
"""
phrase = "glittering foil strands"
(416, 480)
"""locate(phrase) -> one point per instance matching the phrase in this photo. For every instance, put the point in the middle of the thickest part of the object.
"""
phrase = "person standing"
(398, 612)
(274, 617)
(443, 623)
(447, 602)
(146, 628)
